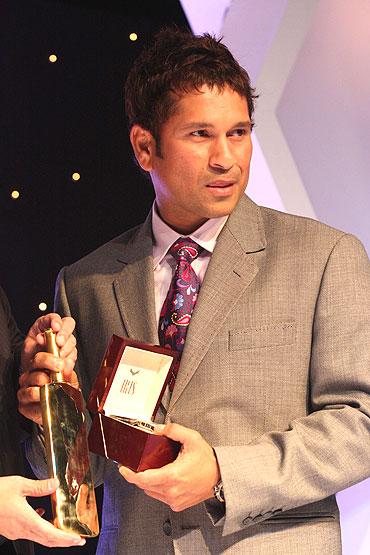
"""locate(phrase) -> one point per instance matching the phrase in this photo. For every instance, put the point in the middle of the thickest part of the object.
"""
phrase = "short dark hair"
(179, 62)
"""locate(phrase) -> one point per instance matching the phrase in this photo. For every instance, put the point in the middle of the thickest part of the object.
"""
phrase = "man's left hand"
(33, 353)
(37, 363)
(187, 481)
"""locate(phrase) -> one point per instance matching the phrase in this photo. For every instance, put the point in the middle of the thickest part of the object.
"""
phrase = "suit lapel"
(134, 287)
(234, 264)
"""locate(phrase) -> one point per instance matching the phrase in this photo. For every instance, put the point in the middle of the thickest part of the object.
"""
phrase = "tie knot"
(185, 249)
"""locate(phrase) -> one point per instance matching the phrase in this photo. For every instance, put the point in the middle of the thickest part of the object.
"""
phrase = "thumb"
(174, 431)
(39, 488)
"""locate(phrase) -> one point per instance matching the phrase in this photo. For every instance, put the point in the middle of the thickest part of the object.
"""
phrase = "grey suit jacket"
(275, 375)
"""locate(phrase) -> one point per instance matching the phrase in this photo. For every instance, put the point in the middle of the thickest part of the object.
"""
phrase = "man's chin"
(222, 209)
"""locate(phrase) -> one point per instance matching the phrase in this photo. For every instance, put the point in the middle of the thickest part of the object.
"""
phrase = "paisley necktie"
(181, 298)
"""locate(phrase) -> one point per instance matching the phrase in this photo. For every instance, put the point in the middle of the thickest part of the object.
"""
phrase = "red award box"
(125, 398)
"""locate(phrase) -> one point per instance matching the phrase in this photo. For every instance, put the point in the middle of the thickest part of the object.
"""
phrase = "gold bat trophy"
(67, 453)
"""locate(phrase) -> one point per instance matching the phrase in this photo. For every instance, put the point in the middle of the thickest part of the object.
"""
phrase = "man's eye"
(239, 132)
(199, 133)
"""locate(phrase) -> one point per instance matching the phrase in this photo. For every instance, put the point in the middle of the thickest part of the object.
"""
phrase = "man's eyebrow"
(197, 125)
(247, 124)
(206, 124)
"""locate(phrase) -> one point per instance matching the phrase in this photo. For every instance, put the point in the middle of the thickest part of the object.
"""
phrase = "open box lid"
(132, 379)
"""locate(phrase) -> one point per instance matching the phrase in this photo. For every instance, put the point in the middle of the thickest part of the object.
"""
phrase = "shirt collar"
(164, 236)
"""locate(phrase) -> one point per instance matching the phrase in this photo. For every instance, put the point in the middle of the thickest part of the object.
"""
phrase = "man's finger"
(176, 432)
(51, 320)
(33, 379)
(29, 395)
(32, 412)
(151, 478)
(127, 473)
(70, 376)
(46, 534)
(47, 361)
(68, 326)
(69, 348)
(63, 327)
(39, 488)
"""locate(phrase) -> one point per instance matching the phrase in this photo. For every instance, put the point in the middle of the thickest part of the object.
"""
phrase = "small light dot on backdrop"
(15, 194)
(76, 176)
(133, 36)
(53, 58)
(43, 307)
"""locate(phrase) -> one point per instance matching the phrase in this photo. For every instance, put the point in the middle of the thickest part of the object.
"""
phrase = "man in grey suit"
(272, 399)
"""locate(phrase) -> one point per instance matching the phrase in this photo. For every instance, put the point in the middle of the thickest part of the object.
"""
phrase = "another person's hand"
(35, 362)
(18, 520)
(187, 481)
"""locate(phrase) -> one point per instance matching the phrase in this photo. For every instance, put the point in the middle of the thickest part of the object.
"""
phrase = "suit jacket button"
(167, 528)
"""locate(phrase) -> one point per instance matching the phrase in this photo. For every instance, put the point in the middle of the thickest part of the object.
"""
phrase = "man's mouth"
(220, 184)
(221, 188)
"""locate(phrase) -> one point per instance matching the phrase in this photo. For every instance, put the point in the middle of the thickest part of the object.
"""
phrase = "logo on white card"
(128, 387)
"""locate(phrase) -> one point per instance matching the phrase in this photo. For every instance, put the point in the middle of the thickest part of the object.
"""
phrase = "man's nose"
(221, 156)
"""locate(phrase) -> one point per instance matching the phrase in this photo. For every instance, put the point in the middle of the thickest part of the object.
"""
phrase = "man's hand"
(36, 361)
(187, 481)
(19, 521)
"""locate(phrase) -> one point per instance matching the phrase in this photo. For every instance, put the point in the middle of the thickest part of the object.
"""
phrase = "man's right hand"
(36, 362)
(19, 521)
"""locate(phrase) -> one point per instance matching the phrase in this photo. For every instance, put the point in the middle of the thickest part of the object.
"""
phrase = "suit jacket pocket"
(296, 517)
(268, 335)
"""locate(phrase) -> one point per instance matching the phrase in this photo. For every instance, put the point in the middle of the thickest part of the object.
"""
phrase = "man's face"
(205, 156)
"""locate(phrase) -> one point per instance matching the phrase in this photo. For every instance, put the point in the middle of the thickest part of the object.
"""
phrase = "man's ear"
(143, 145)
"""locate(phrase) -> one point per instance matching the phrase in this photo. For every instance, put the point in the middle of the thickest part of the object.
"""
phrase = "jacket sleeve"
(327, 450)
(11, 433)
